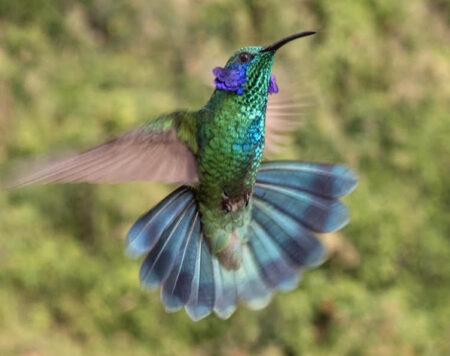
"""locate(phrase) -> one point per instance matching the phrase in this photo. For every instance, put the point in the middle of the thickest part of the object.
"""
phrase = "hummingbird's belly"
(229, 156)
(230, 171)
(227, 180)
(240, 172)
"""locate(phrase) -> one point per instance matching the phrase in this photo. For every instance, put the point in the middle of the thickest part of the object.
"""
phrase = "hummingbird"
(237, 229)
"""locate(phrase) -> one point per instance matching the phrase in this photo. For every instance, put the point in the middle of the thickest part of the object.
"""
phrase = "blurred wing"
(282, 117)
(139, 155)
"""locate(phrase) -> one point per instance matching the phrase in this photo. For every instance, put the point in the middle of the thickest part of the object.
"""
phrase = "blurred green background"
(74, 73)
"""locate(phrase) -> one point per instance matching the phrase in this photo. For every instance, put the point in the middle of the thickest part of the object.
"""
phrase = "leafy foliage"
(378, 74)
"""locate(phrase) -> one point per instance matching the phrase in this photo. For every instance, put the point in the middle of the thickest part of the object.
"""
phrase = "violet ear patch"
(233, 78)
(273, 87)
(230, 79)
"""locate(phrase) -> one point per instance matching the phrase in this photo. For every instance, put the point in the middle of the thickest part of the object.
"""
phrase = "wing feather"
(283, 116)
(139, 155)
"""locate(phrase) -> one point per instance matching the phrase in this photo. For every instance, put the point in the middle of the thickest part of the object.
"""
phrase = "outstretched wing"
(151, 153)
(283, 116)
(286, 109)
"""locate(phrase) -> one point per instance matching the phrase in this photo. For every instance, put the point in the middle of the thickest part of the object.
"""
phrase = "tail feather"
(147, 230)
(272, 262)
(326, 180)
(159, 262)
(201, 300)
(226, 292)
(298, 243)
(289, 202)
(176, 290)
(251, 287)
(317, 213)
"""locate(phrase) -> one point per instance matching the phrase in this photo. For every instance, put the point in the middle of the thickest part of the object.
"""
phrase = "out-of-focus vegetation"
(74, 73)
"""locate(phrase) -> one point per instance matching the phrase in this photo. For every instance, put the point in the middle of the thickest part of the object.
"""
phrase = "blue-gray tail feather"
(291, 200)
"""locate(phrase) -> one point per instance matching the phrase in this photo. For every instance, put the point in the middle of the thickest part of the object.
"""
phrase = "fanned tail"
(291, 201)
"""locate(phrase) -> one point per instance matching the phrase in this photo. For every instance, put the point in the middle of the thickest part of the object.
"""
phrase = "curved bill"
(276, 45)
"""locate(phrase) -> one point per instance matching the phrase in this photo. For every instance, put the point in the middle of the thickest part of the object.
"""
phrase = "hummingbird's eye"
(244, 57)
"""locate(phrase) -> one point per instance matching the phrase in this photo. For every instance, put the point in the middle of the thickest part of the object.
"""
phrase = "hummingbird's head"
(250, 68)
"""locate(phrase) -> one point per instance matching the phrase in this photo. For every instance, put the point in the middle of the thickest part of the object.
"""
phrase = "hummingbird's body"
(238, 229)
(231, 143)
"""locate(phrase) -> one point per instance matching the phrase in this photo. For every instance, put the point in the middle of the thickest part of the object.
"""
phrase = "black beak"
(276, 45)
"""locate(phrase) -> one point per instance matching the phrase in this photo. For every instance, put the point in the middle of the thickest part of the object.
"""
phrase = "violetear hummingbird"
(236, 229)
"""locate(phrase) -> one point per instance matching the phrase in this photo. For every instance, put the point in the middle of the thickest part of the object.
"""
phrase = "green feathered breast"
(230, 140)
